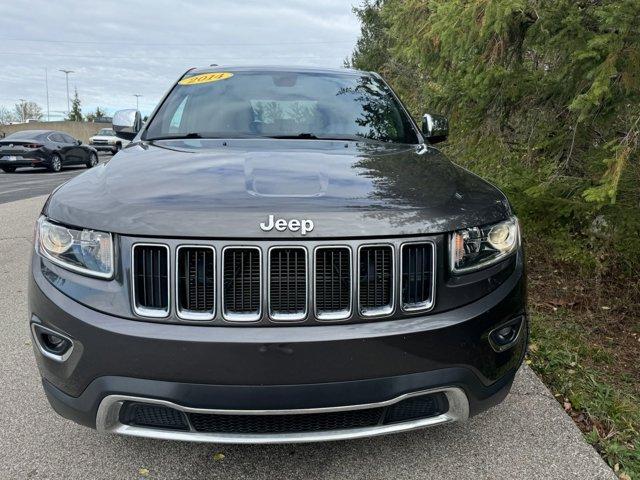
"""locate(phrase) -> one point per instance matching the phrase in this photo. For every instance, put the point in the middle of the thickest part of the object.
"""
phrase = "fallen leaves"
(218, 457)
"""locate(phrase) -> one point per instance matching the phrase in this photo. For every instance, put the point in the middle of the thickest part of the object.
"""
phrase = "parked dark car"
(44, 148)
(280, 255)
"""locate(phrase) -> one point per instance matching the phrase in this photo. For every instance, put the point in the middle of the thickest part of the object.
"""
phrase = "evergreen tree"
(96, 115)
(544, 99)
(75, 115)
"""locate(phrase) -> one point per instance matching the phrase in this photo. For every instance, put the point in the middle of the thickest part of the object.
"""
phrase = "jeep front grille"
(376, 280)
(288, 283)
(195, 282)
(242, 283)
(333, 283)
(151, 280)
(417, 276)
(307, 281)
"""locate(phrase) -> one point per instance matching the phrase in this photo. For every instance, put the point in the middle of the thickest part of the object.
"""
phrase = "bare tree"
(6, 116)
(25, 110)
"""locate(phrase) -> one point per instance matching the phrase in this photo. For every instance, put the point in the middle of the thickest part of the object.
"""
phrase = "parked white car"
(106, 141)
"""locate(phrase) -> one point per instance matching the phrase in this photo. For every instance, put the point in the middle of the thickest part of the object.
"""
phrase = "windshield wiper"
(177, 136)
(299, 136)
(312, 136)
(205, 136)
(303, 136)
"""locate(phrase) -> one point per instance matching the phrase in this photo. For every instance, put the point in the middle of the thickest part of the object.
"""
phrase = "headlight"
(83, 251)
(478, 247)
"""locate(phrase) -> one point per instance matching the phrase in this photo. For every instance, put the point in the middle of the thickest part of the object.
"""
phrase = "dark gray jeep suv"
(280, 255)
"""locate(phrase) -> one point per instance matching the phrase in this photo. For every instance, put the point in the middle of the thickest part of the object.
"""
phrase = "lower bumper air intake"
(166, 420)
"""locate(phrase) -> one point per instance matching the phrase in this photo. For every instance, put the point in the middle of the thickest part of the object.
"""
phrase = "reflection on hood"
(215, 188)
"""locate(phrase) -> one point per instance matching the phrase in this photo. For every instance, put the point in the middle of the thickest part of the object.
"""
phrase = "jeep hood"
(225, 189)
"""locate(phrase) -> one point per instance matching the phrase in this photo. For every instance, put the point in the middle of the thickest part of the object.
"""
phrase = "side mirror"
(79, 142)
(435, 127)
(127, 123)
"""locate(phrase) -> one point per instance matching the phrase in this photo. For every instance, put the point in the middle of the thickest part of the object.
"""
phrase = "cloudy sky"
(117, 49)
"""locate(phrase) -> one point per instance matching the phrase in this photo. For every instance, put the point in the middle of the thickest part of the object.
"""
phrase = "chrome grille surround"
(334, 314)
(186, 314)
(382, 311)
(242, 316)
(430, 303)
(262, 316)
(280, 316)
(142, 310)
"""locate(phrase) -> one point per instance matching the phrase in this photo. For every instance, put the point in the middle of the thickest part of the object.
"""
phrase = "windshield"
(282, 105)
(106, 132)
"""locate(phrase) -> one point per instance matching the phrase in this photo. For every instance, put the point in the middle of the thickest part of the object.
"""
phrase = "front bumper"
(108, 419)
(273, 369)
(102, 147)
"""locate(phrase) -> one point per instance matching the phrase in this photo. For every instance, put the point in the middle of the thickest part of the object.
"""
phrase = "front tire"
(8, 169)
(93, 161)
(56, 163)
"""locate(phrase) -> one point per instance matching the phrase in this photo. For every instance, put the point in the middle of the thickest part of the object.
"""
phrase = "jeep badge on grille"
(293, 225)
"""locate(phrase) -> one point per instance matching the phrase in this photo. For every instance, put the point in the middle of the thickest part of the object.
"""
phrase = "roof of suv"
(276, 68)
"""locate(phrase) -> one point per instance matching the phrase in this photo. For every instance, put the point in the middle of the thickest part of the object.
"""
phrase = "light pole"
(137, 95)
(66, 73)
(46, 84)
(23, 107)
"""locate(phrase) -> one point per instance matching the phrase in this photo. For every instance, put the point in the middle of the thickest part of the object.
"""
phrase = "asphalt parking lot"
(526, 437)
(33, 182)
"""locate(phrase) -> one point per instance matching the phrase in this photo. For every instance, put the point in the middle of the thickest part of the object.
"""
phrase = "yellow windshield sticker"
(205, 78)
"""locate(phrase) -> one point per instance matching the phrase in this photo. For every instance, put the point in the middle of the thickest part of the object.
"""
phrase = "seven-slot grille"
(287, 283)
(376, 275)
(417, 276)
(151, 280)
(241, 283)
(195, 282)
(289, 276)
(333, 282)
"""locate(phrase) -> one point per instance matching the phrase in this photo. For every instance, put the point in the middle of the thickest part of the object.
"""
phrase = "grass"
(584, 374)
